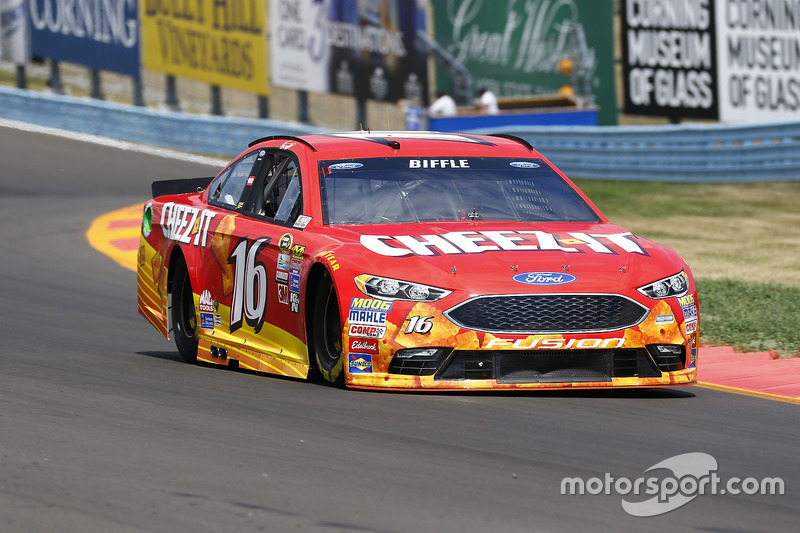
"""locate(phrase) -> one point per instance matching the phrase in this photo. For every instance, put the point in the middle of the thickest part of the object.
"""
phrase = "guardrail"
(684, 152)
(201, 134)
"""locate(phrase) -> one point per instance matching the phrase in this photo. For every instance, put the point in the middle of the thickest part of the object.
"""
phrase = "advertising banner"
(100, 34)
(759, 60)
(362, 48)
(669, 58)
(221, 42)
(514, 47)
(14, 37)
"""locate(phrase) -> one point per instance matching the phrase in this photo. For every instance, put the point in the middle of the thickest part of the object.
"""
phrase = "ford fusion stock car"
(411, 260)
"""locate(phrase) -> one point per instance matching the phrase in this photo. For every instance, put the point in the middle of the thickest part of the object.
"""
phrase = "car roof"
(397, 143)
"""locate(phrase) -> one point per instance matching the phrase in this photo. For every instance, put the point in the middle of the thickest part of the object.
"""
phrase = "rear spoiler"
(180, 186)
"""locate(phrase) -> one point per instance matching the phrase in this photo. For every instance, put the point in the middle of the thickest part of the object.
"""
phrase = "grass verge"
(749, 316)
(742, 241)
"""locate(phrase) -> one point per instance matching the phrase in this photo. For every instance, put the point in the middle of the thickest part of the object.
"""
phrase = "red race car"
(411, 260)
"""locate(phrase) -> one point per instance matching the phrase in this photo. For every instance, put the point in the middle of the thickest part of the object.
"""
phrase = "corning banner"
(100, 34)
(221, 42)
(14, 37)
(669, 58)
(759, 60)
(360, 48)
(513, 47)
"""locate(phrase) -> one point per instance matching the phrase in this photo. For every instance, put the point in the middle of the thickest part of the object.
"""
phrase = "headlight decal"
(670, 287)
(396, 289)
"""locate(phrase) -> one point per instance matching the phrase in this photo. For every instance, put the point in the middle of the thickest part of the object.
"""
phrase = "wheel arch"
(316, 274)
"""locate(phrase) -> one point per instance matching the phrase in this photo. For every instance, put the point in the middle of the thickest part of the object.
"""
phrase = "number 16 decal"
(421, 325)
(249, 300)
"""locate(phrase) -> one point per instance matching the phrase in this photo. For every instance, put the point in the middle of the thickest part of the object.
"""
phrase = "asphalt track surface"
(102, 428)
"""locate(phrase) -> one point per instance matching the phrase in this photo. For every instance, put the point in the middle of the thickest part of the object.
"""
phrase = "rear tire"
(184, 317)
(327, 333)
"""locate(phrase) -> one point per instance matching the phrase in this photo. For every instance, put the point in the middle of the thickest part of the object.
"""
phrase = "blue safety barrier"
(683, 152)
(201, 134)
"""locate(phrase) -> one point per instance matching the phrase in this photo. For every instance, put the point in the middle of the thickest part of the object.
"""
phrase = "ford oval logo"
(345, 166)
(544, 278)
(524, 164)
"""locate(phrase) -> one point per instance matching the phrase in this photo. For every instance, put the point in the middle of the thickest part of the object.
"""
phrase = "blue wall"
(686, 152)
(201, 134)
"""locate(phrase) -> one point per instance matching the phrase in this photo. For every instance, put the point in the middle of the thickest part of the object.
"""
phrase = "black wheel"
(327, 334)
(184, 318)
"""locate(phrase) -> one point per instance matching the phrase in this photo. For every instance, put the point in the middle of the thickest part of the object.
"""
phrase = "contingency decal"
(295, 264)
(689, 309)
(359, 363)
(282, 278)
(209, 319)
(331, 260)
(186, 224)
(302, 221)
(286, 242)
(369, 311)
(364, 345)
(475, 242)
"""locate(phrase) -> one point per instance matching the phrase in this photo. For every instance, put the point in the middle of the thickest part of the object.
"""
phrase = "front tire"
(184, 317)
(327, 334)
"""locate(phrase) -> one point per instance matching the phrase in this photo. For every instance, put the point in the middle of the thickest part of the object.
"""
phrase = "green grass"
(649, 199)
(750, 316)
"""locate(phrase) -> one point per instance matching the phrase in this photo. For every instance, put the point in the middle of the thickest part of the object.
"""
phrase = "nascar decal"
(359, 363)
(286, 242)
(182, 222)
(369, 311)
(475, 242)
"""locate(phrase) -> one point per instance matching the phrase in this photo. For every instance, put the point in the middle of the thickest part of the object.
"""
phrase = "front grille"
(548, 366)
(555, 367)
(548, 313)
(412, 367)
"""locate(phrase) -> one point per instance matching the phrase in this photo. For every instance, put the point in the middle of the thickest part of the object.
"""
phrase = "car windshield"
(395, 190)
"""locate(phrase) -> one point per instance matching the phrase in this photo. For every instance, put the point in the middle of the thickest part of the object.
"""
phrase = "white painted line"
(113, 143)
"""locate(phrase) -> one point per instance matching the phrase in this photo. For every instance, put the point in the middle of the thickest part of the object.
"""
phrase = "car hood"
(499, 258)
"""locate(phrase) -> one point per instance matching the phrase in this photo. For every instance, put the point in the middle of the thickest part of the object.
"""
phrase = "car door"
(262, 267)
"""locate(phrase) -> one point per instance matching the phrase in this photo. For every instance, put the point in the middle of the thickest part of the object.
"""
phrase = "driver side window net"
(282, 199)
